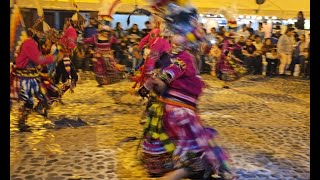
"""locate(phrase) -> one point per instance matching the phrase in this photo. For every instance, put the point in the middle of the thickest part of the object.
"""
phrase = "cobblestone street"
(263, 123)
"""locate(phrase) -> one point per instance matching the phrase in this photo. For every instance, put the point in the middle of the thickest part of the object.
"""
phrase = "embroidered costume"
(158, 48)
(106, 69)
(25, 80)
(173, 128)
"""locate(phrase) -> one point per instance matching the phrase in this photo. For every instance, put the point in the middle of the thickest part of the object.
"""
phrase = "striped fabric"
(15, 76)
(31, 87)
(67, 65)
(183, 127)
(51, 90)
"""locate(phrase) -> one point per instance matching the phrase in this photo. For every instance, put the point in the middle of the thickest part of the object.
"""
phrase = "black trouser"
(250, 64)
(298, 60)
(258, 65)
(272, 66)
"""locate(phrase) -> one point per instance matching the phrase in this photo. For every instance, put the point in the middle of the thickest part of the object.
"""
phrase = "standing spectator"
(307, 73)
(258, 60)
(244, 31)
(91, 29)
(300, 23)
(285, 47)
(203, 28)
(215, 55)
(222, 30)
(118, 31)
(249, 56)
(270, 52)
(213, 34)
(276, 35)
(260, 32)
(300, 54)
(134, 30)
(146, 30)
(250, 29)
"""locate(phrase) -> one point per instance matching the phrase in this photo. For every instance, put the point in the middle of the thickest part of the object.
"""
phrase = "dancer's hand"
(143, 91)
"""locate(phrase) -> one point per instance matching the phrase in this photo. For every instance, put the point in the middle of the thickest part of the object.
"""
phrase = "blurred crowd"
(275, 54)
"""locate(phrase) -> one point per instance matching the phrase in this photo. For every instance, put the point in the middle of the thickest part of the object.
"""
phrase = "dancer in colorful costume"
(25, 80)
(106, 68)
(229, 67)
(173, 125)
(46, 72)
(65, 70)
(158, 47)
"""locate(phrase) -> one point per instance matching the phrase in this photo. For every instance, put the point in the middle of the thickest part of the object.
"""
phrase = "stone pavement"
(263, 123)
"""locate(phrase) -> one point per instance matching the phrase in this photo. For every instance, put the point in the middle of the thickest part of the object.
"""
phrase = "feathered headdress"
(181, 18)
(230, 15)
(17, 30)
(106, 12)
(42, 30)
(77, 19)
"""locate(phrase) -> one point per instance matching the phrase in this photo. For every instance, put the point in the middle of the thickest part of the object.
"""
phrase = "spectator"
(213, 34)
(249, 28)
(244, 31)
(307, 73)
(258, 60)
(275, 36)
(249, 56)
(203, 28)
(91, 29)
(285, 47)
(215, 55)
(260, 32)
(300, 23)
(242, 41)
(270, 52)
(118, 31)
(222, 30)
(146, 30)
(134, 30)
(300, 54)
(252, 37)
(213, 31)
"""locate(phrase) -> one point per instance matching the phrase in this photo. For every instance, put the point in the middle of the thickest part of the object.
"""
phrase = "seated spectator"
(258, 60)
(241, 41)
(300, 54)
(249, 56)
(270, 52)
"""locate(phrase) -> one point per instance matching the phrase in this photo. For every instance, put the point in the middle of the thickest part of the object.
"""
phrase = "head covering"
(106, 12)
(43, 31)
(78, 20)
(182, 19)
(230, 15)
(68, 40)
